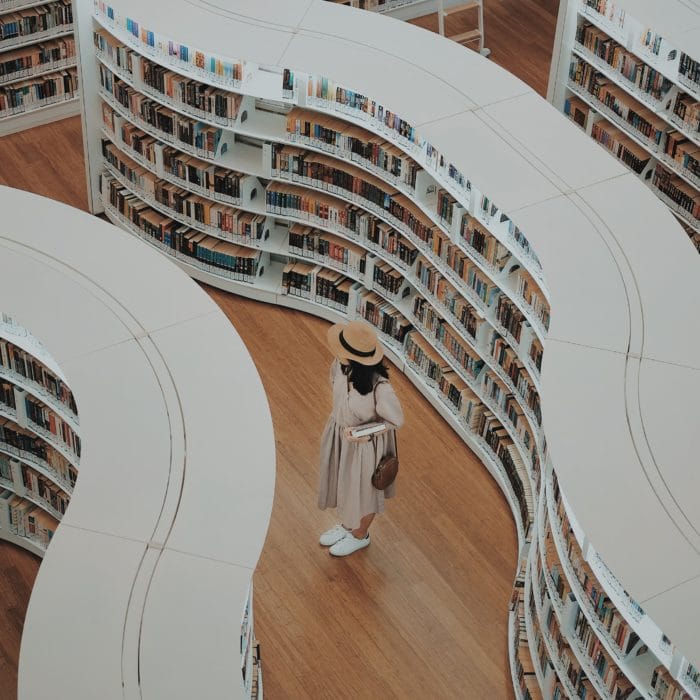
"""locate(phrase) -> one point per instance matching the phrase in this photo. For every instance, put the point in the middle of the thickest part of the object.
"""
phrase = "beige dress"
(347, 467)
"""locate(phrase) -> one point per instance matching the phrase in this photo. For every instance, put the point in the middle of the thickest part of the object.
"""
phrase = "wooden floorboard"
(422, 612)
(18, 569)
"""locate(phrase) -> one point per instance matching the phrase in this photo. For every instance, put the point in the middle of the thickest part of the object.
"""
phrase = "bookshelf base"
(23, 542)
(39, 117)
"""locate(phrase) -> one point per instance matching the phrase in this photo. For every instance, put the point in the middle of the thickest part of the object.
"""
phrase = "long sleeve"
(335, 370)
(388, 406)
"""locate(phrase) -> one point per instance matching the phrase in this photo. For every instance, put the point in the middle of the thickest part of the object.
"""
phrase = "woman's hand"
(347, 435)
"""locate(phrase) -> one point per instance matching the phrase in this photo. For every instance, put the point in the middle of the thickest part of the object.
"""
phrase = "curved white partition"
(142, 591)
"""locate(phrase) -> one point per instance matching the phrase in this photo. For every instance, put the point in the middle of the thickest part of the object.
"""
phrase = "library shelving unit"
(38, 73)
(145, 590)
(39, 440)
(480, 232)
(628, 74)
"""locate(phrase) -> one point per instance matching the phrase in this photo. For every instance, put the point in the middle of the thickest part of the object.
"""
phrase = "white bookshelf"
(155, 600)
(29, 481)
(522, 166)
(674, 34)
(25, 108)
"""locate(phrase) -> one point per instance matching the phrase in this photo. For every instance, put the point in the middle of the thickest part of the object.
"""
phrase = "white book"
(367, 429)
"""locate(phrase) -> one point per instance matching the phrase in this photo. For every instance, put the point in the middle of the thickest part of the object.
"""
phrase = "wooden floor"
(520, 34)
(422, 612)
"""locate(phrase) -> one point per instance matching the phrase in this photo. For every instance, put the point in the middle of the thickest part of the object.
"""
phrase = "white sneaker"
(335, 534)
(348, 545)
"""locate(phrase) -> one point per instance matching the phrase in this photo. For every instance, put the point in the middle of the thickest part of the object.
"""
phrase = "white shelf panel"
(584, 463)
(105, 567)
(22, 338)
(136, 458)
(135, 304)
(669, 335)
(578, 262)
(680, 27)
(576, 166)
(519, 183)
(36, 548)
(179, 607)
(38, 115)
(233, 534)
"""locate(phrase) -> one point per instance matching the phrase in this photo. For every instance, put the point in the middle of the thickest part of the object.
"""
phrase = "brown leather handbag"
(388, 466)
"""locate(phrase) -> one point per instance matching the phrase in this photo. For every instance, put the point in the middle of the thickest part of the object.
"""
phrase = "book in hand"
(367, 429)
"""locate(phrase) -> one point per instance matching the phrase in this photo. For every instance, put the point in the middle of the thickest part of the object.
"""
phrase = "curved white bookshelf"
(613, 351)
(23, 60)
(28, 482)
(646, 62)
(155, 601)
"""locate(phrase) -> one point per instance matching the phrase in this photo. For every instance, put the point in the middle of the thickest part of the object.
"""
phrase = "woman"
(361, 394)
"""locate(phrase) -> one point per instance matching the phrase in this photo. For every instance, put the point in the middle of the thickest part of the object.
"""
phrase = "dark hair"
(363, 376)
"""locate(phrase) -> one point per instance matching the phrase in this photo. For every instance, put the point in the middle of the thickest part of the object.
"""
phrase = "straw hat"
(355, 340)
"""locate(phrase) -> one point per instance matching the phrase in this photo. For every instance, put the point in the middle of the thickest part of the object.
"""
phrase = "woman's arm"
(388, 406)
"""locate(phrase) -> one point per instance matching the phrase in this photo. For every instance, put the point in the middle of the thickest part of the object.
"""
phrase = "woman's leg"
(361, 532)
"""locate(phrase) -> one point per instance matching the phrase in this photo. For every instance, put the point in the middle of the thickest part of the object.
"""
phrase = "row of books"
(647, 79)
(530, 291)
(619, 632)
(568, 665)
(678, 191)
(235, 261)
(351, 142)
(106, 45)
(191, 59)
(460, 311)
(309, 242)
(217, 103)
(44, 417)
(385, 276)
(39, 91)
(317, 283)
(221, 218)
(689, 68)
(484, 243)
(322, 89)
(524, 675)
(382, 315)
(684, 151)
(472, 413)
(46, 55)
(215, 180)
(649, 41)
(187, 133)
(614, 680)
(7, 395)
(33, 20)
(300, 162)
(23, 443)
(23, 363)
(622, 146)
(649, 127)
(40, 488)
(26, 519)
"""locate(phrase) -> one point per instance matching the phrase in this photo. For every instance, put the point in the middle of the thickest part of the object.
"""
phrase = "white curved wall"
(141, 592)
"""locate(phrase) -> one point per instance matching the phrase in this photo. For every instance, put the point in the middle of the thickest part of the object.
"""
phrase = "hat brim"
(343, 355)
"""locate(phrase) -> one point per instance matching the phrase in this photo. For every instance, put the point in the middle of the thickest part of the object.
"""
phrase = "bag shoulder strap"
(379, 381)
